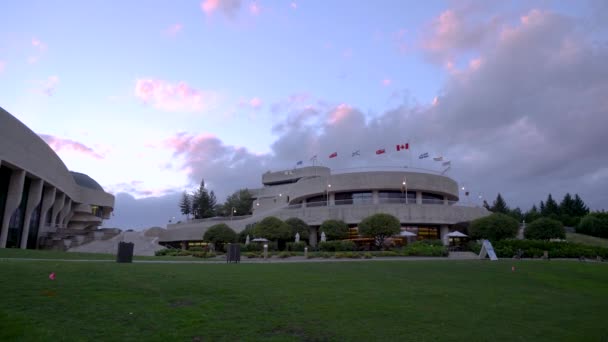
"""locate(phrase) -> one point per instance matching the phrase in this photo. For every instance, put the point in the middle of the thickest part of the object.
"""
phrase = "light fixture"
(329, 185)
(280, 195)
(403, 183)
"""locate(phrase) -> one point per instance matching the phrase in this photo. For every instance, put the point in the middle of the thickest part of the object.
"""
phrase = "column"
(57, 207)
(48, 198)
(312, 238)
(375, 197)
(304, 203)
(33, 199)
(418, 197)
(13, 199)
(445, 200)
(332, 199)
(443, 234)
(65, 211)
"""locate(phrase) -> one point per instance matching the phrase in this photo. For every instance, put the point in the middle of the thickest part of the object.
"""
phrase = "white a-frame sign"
(487, 249)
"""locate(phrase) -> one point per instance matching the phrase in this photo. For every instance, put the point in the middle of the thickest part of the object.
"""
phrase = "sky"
(148, 98)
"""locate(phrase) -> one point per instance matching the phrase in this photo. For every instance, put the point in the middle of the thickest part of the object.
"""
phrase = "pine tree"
(185, 205)
(499, 205)
(517, 214)
(532, 214)
(542, 207)
(566, 207)
(579, 207)
(551, 207)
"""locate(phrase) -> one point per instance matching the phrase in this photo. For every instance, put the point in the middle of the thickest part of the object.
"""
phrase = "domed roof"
(86, 181)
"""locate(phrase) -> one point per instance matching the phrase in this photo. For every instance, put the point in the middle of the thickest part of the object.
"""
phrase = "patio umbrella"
(457, 234)
(406, 233)
(247, 240)
(260, 240)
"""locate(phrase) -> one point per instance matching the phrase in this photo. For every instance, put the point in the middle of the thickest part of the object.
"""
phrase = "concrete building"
(42, 204)
(426, 203)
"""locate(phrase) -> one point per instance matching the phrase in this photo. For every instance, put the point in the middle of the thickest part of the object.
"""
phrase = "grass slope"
(363, 301)
(587, 239)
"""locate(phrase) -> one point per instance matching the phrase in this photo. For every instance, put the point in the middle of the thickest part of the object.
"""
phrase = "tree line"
(202, 203)
(569, 211)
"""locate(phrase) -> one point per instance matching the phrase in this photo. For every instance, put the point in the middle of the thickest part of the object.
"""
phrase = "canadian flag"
(380, 151)
(406, 146)
(333, 155)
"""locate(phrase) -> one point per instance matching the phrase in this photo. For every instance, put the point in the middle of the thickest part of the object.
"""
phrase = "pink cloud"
(59, 144)
(387, 82)
(399, 40)
(38, 44)
(174, 29)
(228, 7)
(339, 113)
(173, 97)
(46, 87)
(255, 103)
(254, 8)
(2, 65)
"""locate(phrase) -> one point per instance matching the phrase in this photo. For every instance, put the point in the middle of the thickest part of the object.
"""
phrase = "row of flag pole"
(398, 148)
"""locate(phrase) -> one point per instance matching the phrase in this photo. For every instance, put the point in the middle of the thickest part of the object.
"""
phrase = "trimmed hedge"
(536, 248)
(594, 224)
(296, 246)
(494, 227)
(545, 229)
(337, 246)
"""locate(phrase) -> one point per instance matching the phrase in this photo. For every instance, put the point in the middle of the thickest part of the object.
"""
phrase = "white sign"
(487, 249)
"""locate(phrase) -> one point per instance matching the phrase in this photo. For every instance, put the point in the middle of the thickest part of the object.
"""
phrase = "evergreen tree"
(499, 205)
(240, 202)
(532, 214)
(202, 205)
(541, 207)
(517, 214)
(551, 208)
(579, 207)
(566, 207)
(185, 205)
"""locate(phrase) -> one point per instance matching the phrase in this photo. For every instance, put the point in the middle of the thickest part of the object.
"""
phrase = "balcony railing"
(401, 201)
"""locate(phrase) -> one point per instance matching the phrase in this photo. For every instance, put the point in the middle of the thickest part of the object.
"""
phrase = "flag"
(333, 155)
(424, 155)
(405, 146)
(447, 163)
(356, 153)
(440, 158)
(299, 163)
(314, 158)
(380, 151)
(446, 170)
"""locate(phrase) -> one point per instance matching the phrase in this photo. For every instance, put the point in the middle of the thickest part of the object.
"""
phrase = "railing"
(385, 168)
(432, 201)
(217, 218)
(410, 201)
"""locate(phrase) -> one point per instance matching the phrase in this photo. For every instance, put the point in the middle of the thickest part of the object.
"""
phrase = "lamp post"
(404, 187)
(232, 212)
(327, 193)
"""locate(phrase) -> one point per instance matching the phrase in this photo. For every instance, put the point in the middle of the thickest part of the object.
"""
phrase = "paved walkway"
(142, 245)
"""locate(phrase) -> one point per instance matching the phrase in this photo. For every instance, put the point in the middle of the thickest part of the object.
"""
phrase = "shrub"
(437, 243)
(272, 228)
(421, 248)
(379, 226)
(162, 252)
(298, 226)
(595, 224)
(494, 227)
(337, 246)
(556, 249)
(252, 247)
(251, 255)
(545, 229)
(284, 255)
(242, 236)
(220, 234)
(197, 249)
(334, 229)
(367, 255)
(296, 246)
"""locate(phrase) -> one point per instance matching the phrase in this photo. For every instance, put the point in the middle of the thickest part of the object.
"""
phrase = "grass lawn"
(587, 239)
(355, 301)
(49, 254)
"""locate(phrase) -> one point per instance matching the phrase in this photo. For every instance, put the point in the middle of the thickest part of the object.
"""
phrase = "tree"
(580, 209)
(594, 224)
(551, 208)
(566, 207)
(380, 226)
(541, 207)
(272, 228)
(499, 205)
(220, 234)
(494, 227)
(239, 203)
(545, 229)
(334, 229)
(532, 214)
(249, 230)
(516, 214)
(185, 205)
(203, 203)
(298, 226)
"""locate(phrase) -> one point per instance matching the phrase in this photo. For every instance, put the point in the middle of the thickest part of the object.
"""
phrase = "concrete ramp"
(142, 244)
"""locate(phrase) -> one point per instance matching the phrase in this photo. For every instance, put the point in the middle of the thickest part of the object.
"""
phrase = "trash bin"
(125, 252)
(234, 253)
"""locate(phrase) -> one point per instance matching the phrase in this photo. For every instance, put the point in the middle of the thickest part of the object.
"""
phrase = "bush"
(251, 255)
(337, 246)
(334, 229)
(437, 243)
(298, 226)
(545, 229)
(296, 246)
(242, 236)
(164, 251)
(272, 228)
(220, 234)
(594, 224)
(422, 248)
(367, 255)
(556, 249)
(252, 247)
(197, 249)
(379, 226)
(284, 255)
(494, 227)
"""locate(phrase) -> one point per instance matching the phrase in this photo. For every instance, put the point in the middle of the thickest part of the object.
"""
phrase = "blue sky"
(113, 82)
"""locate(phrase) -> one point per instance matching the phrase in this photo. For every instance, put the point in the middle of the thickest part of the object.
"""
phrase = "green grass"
(49, 254)
(587, 239)
(353, 301)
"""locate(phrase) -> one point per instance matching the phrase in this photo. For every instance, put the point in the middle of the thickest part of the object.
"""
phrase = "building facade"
(426, 203)
(42, 204)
